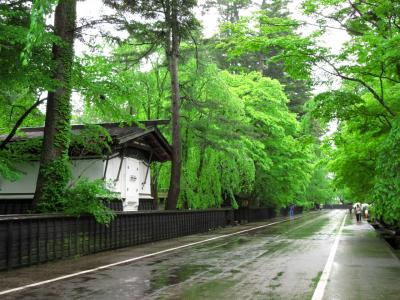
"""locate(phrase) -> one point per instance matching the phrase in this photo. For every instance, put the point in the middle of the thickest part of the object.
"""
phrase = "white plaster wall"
(25, 187)
(144, 182)
(129, 186)
(87, 168)
(112, 175)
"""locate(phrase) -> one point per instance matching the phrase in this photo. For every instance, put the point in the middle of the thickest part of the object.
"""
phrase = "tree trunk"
(154, 186)
(54, 172)
(174, 186)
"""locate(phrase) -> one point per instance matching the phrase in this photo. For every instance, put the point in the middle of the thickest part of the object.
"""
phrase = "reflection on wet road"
(283, 261)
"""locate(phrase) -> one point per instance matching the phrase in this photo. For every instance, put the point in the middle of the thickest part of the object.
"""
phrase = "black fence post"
(10, 241)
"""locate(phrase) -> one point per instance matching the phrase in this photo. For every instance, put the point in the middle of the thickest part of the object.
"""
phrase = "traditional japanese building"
(126, 167)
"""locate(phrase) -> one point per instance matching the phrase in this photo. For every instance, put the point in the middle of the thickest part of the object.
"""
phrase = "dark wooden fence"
(24, 206)
(15, 206)
(260, 214)
(33, 239)
(146, 204)
(254, 214)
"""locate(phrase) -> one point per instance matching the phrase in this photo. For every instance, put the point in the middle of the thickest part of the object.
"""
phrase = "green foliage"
(92, 139)
(8, 171)
(89, 197)
(274, 37)
(268, 42)
(283, 164)
(341, 105)
(84, 197)
(364, 152)
(387, 186)
(81, 197)
(241, 145)
(19, 86)
(15, 154)
(105, 90)
(54, 171)
(369, 59)
(57, 174)
(320, 189)
(156, 23)
(40, 8)
(354, 159)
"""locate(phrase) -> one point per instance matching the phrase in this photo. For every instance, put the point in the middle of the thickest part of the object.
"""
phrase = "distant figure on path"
(358, 213)
(291, 211)
(366, 213)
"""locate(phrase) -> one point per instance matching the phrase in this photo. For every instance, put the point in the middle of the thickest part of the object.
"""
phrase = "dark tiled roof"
(147, 138)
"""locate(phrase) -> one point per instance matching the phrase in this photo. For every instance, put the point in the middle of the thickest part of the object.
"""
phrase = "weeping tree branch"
(19, 122)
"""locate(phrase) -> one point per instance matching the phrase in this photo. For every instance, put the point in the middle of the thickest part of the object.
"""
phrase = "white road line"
(319, 291)
(135, 258)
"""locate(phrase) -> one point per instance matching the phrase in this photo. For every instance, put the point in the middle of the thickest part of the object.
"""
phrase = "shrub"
(89, 197)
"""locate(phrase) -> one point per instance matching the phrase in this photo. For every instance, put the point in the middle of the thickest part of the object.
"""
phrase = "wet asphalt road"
(283, 261)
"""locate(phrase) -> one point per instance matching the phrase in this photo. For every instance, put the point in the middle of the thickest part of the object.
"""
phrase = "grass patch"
(274, 286)
(215, 289)
(315, 280)
(273, 247)
(169, 276)
(278, 275)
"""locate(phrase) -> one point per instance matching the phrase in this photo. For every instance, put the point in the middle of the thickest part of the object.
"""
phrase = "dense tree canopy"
(367, 104)
(247, 128)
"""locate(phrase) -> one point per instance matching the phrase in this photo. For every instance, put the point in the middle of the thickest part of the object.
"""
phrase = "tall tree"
(259, 43)
(298, 91)
(172, 54)
(229, 10)
(54, 170)
(167, 23)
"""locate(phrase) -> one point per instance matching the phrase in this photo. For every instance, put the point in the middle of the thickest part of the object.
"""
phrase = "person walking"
(366, 213)
(358, 213)
(291, 212)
